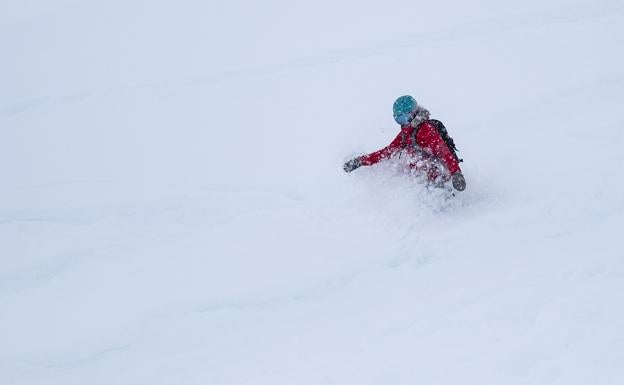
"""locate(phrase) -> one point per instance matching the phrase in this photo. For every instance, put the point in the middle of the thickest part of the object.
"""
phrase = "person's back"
(421, 139)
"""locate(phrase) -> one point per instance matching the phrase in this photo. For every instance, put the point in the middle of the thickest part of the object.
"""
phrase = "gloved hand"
(352, 165)
(459, 183)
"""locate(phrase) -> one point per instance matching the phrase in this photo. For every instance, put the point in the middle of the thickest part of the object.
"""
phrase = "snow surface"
(173, 208)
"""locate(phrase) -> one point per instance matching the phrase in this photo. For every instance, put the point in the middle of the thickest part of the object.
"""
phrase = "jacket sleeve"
(429, 137)
(384, 153)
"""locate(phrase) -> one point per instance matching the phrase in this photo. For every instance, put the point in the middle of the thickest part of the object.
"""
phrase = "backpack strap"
(412, 137)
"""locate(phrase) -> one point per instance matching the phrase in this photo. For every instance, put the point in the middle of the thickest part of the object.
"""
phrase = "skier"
(425, 142)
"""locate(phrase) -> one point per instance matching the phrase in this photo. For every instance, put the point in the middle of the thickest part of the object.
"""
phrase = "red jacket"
(428, 143)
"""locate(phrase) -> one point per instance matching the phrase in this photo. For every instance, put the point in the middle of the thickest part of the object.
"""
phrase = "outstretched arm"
(375, 157)
(384, 153)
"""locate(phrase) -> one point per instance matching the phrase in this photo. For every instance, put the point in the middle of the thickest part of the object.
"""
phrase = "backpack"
(446, 137)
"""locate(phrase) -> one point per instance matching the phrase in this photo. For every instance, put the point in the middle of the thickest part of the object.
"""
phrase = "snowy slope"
(173, 208)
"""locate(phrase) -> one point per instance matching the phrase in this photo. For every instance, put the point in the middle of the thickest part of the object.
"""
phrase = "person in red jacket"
(425, 142)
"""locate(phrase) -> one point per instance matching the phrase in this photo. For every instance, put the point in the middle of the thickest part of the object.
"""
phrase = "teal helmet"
(403, 109)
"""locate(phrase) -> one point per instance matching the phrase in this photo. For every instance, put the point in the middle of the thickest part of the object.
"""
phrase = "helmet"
(403, 109)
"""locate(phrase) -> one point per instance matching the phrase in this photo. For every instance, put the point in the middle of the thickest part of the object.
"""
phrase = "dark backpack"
(447, 139)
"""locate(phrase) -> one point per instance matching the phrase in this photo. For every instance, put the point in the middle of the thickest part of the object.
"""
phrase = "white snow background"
(173, 208)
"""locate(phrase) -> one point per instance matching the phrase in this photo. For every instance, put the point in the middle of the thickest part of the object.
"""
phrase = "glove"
(352, 165)
(459, 183)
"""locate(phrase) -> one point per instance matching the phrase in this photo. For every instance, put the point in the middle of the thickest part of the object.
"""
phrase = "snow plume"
(391, 186)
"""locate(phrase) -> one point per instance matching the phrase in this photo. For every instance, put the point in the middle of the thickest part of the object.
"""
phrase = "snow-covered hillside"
(173, 208)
